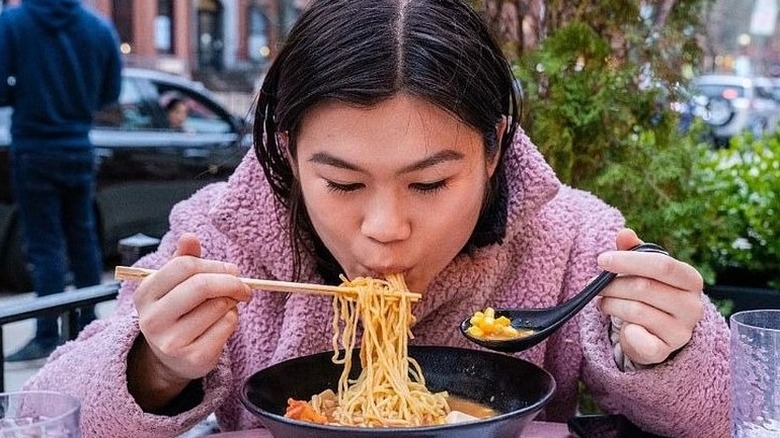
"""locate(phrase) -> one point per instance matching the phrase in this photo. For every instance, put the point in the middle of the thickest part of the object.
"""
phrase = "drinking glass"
(755, 372)
(39, 414)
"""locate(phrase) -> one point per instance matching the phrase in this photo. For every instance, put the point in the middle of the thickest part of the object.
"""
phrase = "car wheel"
(719, 112)
(13, 264)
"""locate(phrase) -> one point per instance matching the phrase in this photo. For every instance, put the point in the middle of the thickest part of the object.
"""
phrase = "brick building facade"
(226, 43)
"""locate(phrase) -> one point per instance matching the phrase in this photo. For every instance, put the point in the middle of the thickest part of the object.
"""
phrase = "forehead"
(400, 123)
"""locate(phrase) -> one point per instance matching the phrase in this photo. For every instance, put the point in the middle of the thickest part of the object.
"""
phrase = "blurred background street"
(668, 110)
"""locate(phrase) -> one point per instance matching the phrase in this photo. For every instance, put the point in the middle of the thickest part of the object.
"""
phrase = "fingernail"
(232, 268)
(604, 259)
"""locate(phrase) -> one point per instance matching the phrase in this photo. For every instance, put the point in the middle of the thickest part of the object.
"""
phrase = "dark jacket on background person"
(50, 77)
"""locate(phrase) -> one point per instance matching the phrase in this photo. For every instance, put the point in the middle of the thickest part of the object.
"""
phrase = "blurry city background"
(227, 44)
(667, 109)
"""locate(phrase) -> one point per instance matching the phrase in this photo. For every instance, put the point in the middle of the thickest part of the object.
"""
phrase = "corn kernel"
(475, 331)
(510, 332)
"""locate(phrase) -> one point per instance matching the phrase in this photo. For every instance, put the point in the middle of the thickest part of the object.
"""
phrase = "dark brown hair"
(362, 52)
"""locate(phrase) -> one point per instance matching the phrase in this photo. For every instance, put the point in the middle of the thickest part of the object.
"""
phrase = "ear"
(500, 132)
(283, 142)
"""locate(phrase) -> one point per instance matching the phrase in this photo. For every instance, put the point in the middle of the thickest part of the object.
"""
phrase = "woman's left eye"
(344, 188)
(429, 187)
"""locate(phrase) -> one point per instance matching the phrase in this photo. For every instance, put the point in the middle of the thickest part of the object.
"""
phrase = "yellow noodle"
(390, 390)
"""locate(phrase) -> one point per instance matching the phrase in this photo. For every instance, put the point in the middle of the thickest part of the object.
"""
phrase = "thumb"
(188, 245)
(626, 239)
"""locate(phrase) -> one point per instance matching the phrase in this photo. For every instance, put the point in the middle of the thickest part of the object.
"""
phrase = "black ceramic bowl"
(514, 388)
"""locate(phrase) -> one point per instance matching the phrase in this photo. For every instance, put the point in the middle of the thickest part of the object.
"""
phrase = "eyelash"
(430, 188)
(425, 188)
(342, 188)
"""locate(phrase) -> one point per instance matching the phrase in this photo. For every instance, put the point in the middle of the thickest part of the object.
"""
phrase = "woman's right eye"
(338, 187)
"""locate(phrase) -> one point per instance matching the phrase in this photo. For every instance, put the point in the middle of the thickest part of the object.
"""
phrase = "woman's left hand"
(657, 297)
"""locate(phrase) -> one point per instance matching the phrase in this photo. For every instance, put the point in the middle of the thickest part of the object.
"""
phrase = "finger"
(187, 296)
(179, 269)
(188, 244)
(205, 350)
(641, 346)
(197, 359)
(203, 287)
(672, 331)
(626, 239)
(671, 300)
(194, 324)
(656, 266)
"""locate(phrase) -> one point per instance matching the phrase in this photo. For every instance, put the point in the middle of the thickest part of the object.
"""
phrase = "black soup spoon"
(544, 322)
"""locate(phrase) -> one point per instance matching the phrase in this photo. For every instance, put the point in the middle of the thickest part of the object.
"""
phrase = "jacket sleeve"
(93, 368)
(112, 84)
(6, 58)
(686, 396)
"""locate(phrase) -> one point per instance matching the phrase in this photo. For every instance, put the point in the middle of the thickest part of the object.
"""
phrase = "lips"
(382, 271)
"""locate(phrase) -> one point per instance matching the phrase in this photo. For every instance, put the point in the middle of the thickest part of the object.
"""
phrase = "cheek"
(330, 216)
(450, 221)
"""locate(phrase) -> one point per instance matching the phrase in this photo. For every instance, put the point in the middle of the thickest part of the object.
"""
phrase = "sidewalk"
(16, 334)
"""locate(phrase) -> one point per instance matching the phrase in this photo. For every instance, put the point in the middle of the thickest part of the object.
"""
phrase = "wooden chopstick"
(137, 274)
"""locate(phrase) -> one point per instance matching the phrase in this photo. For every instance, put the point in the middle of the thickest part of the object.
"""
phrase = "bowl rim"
(533, 408)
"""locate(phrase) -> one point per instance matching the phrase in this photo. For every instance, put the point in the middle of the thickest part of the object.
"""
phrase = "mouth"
(383, 272)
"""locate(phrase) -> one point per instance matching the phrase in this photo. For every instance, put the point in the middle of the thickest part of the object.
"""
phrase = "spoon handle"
(576, 303)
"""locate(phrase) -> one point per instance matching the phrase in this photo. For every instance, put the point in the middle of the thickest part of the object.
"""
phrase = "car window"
(721, 91)
(132, 112)
(764, 92)
(202, 114)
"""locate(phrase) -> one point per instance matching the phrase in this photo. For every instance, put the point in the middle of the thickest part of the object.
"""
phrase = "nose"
(386, 220)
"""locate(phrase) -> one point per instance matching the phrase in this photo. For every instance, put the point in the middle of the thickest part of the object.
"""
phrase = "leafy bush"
(603, 132)
(604, 129)
(738, 187)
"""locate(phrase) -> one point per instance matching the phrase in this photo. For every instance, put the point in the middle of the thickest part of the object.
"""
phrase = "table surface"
(537, 429)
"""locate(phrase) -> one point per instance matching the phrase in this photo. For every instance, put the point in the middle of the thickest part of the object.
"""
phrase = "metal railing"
(62, 304)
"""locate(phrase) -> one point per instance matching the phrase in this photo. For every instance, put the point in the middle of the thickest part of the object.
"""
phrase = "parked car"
(734, 104)
(144, 167)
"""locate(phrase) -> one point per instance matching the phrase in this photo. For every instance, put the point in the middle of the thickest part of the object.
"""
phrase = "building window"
(258, 45)
(163, 27)
(122, 11)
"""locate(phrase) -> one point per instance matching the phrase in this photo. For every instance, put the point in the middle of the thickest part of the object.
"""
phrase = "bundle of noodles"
(390, 390)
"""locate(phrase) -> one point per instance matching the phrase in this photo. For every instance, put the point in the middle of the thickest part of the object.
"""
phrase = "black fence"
(62, 304)
(66, 303)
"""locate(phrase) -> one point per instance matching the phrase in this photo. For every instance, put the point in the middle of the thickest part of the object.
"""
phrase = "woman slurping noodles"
(390, 390)
(388, 140)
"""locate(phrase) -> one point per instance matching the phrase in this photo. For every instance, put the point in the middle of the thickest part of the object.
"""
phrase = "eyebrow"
(437, 158)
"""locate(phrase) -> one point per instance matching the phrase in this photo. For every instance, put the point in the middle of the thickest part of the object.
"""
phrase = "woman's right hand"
(186, 313)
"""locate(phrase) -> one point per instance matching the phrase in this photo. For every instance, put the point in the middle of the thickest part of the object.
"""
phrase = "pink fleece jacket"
(554, 234)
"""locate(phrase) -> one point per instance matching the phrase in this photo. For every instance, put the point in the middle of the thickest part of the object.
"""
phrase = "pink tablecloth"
(536, 429)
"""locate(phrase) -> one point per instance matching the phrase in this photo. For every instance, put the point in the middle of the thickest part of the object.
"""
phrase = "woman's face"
(177, 115)
(395, 188)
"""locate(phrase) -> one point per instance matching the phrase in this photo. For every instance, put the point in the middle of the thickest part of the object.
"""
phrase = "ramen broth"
(461, 409)
(470, 407)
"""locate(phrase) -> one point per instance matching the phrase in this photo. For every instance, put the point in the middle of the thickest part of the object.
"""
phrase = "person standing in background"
(59, 63)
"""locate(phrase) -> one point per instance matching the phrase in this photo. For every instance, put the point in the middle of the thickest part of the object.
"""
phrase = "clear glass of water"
(39, 414)
(755, 373)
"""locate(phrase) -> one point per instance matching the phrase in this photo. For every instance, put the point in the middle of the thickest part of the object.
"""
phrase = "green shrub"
(603, 132)
(739, 186)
